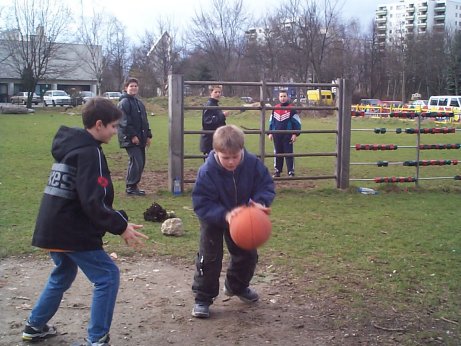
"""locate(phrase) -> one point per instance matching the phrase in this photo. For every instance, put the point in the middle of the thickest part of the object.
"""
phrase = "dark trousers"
(136, 165)
(209, 264)
(283, 144)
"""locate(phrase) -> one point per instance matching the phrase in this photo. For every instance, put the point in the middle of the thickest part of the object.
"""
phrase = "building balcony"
(381, 20)
(381, 11)
(409, 25)
(422, 16)
(422, 25)
(422, 8)
(439, 17)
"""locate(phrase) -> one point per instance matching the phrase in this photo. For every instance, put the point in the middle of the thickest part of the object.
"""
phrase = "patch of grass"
(399, 250)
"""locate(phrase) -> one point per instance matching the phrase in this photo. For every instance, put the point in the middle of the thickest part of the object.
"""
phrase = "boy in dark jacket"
(134, 135)
(75, 212)
(284, 119)
(230, 178)
(211, 119)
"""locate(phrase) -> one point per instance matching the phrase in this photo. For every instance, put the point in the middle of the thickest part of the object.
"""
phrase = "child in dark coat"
(230, 178)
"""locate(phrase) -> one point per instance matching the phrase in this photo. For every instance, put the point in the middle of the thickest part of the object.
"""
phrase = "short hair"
(99, 108)
(214, 86)
(130, 80)
(283, 92)
(228, 139)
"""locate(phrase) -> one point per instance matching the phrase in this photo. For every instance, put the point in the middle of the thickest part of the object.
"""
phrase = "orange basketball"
(250, 228)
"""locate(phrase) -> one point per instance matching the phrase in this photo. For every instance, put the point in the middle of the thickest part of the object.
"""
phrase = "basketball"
(250, 228)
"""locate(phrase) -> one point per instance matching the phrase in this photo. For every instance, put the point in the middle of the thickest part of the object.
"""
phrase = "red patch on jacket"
(103, 181)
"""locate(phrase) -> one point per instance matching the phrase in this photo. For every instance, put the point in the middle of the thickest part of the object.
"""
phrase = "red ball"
(250, 228)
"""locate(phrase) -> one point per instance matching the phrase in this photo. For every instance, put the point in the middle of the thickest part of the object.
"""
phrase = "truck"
(320, 97)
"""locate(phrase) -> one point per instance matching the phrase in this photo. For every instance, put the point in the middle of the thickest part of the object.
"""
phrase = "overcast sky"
(141, 15)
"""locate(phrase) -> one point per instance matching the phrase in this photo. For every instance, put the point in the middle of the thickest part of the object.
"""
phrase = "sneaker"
(104, 341)
(201, 310)
(276, 174)
(291, 174)
(249, 295)
(134, 191)
(33, 334)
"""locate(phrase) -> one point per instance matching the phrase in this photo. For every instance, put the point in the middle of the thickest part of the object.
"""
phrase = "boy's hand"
(232, 213)
(260, 206)
(293, 138)
(251, 203)
(132, 237)
(270, 136)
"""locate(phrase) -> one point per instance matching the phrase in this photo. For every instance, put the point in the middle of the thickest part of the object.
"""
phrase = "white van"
(448, 103)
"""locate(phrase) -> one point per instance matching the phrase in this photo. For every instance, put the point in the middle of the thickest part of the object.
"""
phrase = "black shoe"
(276, 174)
(33, 334)
(201, 310)
(134, 191)
(249, 295)
(291, 174)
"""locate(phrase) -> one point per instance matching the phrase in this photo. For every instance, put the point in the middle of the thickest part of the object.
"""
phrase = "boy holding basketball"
(230, 178)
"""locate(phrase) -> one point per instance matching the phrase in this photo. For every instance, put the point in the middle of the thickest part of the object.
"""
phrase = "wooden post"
(343, 143)
(176, 131)
(262, 136)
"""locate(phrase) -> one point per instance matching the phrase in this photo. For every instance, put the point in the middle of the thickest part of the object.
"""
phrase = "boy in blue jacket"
(75, 213)
(230, 178)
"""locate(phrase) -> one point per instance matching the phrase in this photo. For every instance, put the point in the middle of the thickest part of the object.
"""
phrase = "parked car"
(370, 102)
(247, 99)
(21, 98)
(112, 95)
(56, 97)
(81, 97)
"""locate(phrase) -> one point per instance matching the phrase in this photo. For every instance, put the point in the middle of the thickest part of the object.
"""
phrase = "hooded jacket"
(217, 190)
(134, 121)
(211, 120)
(76, 208)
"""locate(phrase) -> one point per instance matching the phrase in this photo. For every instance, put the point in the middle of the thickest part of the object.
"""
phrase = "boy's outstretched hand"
(132, 237)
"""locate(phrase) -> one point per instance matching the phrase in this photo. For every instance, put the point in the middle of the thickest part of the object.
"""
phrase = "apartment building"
(399, 19)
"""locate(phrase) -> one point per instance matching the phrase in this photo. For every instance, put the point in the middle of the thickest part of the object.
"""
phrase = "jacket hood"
(126, 96)
(70, 138)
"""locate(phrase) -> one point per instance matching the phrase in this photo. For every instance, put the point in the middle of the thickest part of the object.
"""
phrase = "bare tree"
(117, 56)
(32, 40)
(219, 33)
(96, 36)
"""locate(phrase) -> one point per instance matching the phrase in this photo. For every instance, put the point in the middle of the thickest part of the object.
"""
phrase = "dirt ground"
(154, 308)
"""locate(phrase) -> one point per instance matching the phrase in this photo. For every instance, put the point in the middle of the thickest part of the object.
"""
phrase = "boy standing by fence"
(75, 212)
(284, 119)
(211, 119)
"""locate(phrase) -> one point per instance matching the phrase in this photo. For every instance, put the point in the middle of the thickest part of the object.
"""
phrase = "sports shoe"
(276, 174)
(33, 334)
(104, 341)
(201, 310)
(134, 191)
(249, 295)
(291, 174)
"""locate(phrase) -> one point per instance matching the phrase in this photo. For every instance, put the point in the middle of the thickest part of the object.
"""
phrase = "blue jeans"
(100, 270)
